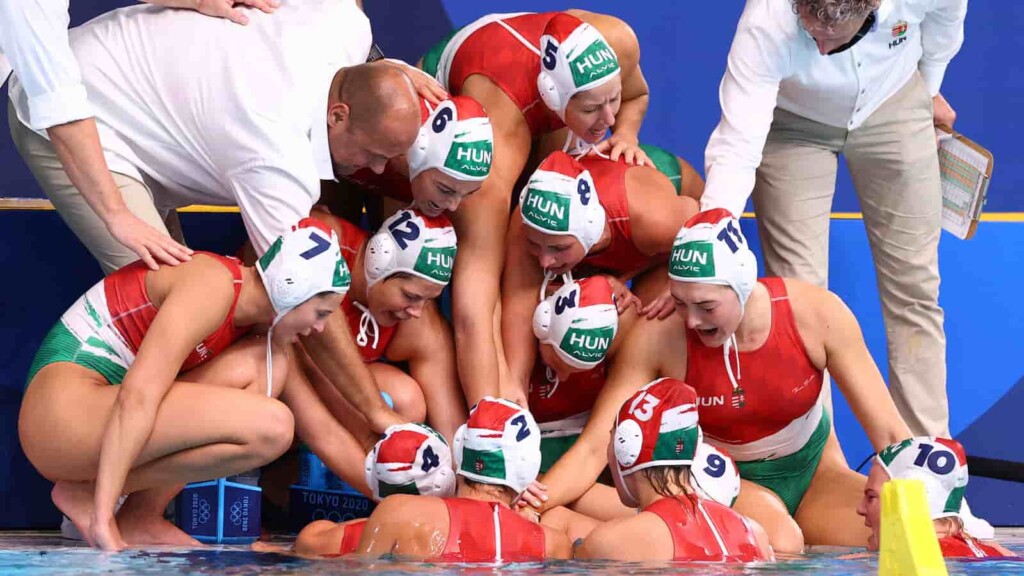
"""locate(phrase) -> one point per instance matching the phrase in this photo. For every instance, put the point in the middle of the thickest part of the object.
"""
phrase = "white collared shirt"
(219, 113)
(34, 41)
(774, 61)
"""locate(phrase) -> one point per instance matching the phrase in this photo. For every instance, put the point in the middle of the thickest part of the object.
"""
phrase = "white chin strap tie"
(367, 323)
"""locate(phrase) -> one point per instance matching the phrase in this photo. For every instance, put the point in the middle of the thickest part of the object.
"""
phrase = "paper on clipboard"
(964, 170)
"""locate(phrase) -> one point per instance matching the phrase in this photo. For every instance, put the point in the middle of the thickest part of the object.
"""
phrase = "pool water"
(30, 554)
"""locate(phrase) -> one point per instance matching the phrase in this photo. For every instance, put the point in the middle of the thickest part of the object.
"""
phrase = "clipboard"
(965, 171)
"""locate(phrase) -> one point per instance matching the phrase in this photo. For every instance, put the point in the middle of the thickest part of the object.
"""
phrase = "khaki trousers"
(893, 161)
(42, 159)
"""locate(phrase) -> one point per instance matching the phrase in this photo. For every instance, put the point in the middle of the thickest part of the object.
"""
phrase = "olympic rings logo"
(236, 513)
(204, 511)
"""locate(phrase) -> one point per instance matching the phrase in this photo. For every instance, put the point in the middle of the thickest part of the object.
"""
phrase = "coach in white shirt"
(807, 80)
(34, 36)
(198, 110)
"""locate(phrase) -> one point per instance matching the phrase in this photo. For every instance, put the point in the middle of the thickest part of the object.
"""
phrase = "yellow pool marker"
(908, 545)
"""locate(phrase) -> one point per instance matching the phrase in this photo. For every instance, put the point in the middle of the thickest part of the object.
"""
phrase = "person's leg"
(764, 506)
(141, 519)
(202, 430)
(894, 165)
(793, 197)
(405, 392)
(828, 512)
(793, 200)
(41, 158)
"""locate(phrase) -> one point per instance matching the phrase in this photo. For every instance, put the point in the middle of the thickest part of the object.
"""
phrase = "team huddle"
(613, 379)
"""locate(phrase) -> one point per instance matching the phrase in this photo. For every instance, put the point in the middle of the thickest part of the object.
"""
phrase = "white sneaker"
(977, 527)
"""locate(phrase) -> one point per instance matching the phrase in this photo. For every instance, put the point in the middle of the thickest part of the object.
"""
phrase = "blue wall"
(684, 45)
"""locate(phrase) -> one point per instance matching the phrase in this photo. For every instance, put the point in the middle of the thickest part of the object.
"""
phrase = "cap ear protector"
(575, 58)
(413, 243)
(456, 139)
(379, 258)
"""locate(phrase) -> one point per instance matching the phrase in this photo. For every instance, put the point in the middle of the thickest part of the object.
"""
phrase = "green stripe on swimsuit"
(60, 345)
(433, 56)
(552, 448)
(790, 476)
(667, 163)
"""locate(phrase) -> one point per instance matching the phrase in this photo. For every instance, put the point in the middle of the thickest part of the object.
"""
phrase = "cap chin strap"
(566, 280)
(367, 323)
(270, 353)
(733, 379)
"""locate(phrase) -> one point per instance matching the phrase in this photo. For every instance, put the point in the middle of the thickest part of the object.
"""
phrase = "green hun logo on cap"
(547, 210)
(594, 63)
(470, 158)
(587, 344)
(692, 260)
(342, 276)
(436, 263)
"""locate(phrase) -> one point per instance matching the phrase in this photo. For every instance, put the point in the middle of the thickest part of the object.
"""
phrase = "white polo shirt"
(34, 41)
(775, 62)
(219, 113)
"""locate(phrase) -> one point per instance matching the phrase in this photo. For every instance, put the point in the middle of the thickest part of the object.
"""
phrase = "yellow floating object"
(908, 545)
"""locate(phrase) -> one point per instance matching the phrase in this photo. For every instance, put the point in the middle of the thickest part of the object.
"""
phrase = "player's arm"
(635, 365)
(520, 285)
(427, 345)
(340, 451)
(481, 225)
(850, 364)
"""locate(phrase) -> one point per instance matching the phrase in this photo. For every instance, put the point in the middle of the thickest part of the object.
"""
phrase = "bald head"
(380, 94)
(373, 116)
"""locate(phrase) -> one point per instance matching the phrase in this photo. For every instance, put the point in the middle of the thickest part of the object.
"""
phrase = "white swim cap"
(656, 426)
(715, 476)
(457, 139)
(579, 321)
(574, 57)
(940, 463)
(302, 263)
(500, 444)
(410, 459)
(561, 199)
(711, 249)
(413, 243)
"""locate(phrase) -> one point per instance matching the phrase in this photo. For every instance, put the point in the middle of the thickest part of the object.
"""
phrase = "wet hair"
(668, 480)
(832, 13)
(504, 492)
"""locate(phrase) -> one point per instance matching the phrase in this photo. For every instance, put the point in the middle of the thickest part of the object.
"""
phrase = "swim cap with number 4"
(499, 444)
(561, 199)
(413, 243)
(575, 57)
(456, 139)
(410, 459)
(302, 263)
(711, 249)
(940, 463)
